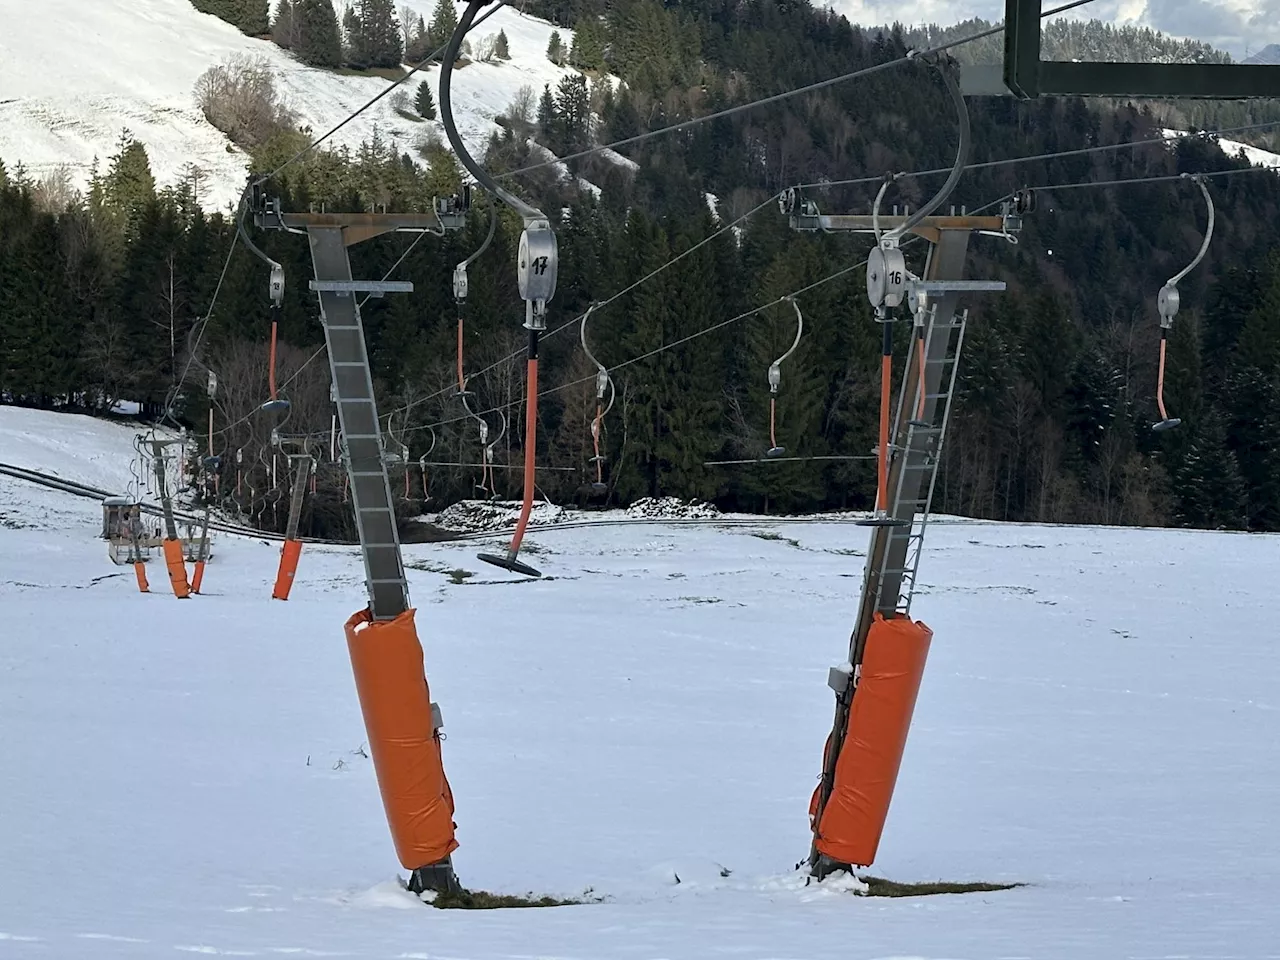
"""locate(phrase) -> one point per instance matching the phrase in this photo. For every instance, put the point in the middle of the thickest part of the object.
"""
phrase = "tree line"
(372, 34)
(104, 298)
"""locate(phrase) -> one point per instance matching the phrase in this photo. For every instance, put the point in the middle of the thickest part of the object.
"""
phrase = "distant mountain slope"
(136, 62)
(1268, 55)
(1089, 40)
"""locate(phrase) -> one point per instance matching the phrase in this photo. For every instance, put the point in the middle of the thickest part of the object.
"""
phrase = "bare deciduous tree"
(54, 192)
(239, 97)
(522, 105)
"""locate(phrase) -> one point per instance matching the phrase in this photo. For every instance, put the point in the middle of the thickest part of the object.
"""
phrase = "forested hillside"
(104, 298)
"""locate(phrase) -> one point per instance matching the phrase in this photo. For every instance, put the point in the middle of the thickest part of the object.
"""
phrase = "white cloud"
(1231, 25)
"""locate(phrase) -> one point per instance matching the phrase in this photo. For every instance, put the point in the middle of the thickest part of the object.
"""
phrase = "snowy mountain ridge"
(137, 64)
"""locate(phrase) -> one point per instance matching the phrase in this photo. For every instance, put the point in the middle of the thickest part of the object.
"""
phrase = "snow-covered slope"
(1255, 155)
(133, 64)
(1098, 720)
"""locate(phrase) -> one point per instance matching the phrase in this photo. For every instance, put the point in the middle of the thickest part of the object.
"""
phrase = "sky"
(1231, 25)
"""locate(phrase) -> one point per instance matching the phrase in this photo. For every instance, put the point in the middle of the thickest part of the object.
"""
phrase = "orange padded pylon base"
(288, 567)
(140, 571)
(879, 718)
(387, 660)
(177, 568)
(197, 577)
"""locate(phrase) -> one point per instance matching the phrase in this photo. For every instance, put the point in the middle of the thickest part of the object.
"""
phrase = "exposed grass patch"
(769, 535)
(459, 575)
(880, 887)
(426, 566)
(425, 533)
(386, 73)
(483, 900)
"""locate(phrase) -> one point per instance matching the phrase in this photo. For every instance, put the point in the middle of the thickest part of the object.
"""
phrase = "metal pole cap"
(1167, 302)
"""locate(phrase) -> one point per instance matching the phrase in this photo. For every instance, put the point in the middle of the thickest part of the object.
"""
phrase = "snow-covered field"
(136, 62)
(1098, 720)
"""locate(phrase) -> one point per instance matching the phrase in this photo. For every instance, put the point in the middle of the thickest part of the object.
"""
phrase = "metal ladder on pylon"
(920, 455)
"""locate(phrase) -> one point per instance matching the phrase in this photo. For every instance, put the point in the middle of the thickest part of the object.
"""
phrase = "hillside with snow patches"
(136, 62)
(640, 729)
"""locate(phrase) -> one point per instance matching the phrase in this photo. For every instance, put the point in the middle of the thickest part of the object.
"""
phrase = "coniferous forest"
(103, 297)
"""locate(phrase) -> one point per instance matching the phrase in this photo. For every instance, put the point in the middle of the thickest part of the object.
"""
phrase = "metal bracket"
(838, 678)
(375, 288)
(955, 286)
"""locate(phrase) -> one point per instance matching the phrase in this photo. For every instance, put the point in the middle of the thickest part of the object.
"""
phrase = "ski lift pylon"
(887, 283)
(461, 288)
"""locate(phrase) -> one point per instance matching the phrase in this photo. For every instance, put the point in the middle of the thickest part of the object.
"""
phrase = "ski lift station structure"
(876, 687)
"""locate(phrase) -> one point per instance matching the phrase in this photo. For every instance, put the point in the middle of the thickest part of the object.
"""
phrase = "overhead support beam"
(1021, 47)
(930, 228)
(449, 214)
(1211, 81)
(1027, 77)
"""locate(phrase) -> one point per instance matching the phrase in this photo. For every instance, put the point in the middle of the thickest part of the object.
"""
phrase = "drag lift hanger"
(1169, 300)
(422, 465)
(275, 403)
(487, 446)
(536, 267)
(604, 383)
(461, 288)
(775, 381)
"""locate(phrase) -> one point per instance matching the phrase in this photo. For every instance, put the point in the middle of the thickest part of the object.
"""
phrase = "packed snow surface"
(1098, 721)
(137, 61)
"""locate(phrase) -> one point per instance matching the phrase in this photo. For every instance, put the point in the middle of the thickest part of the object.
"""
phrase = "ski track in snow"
(186, 777)
(137, 62)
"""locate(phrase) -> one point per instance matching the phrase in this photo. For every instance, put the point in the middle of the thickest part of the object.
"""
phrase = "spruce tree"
(352, 39)
(129, 184)
(444, 20)
(373, 35)
(573, 107)
(1207, 481)
(587, 49)
(547, 117)
(284, 29)
(502, 46)
(416, 43)
(253, 17)
(555, 49)
(625, 119)
(424, 103)
(228, 10)
(319, 42)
